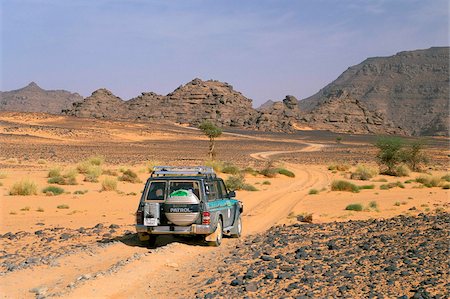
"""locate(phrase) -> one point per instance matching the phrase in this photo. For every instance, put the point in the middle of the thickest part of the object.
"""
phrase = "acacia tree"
(414, 155)
(212, 131)
(389, 154)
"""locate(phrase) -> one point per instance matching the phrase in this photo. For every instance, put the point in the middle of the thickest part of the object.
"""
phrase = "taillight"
(139, 218)
(206, 219)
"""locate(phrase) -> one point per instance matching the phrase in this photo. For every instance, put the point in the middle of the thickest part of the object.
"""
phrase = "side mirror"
(232, 194)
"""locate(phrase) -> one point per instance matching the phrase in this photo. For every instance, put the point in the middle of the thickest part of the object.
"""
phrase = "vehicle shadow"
(161, 241)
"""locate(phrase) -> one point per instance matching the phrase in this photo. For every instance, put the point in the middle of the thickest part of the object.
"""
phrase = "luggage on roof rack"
(183, 170)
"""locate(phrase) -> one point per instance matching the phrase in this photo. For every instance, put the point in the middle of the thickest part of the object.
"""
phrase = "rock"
(114, 226)
(236, 282)
(41, 290)
(65, 236)
(210, 281)
(251, 287)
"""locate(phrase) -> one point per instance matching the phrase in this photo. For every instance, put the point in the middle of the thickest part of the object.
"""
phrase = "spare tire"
(182, 207)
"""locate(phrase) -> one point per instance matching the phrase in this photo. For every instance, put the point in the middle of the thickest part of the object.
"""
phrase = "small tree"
(414, 156)
(212, 131)
(389, 155)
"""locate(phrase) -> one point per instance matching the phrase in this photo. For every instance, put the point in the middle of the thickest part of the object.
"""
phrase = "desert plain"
(297, 231)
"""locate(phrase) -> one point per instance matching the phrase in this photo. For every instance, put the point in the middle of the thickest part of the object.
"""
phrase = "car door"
(226, 204)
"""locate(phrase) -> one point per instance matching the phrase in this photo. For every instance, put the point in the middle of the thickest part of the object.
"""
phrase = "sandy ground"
(87, 266)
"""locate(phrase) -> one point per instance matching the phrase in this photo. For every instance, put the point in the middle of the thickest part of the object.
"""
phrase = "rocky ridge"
(402, 257)
(32, 98)
(411, 90)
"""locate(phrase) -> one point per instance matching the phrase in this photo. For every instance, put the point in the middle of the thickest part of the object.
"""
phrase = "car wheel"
(219, 235)
(238, 228)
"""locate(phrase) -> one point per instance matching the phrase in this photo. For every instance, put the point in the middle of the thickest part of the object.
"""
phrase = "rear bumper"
(194, 229)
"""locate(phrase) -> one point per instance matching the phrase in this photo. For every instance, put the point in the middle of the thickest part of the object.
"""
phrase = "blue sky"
(266, 49)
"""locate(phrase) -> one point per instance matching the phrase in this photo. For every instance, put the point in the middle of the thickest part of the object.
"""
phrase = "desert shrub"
(23, 187)
(1, 184)
(3, 175)
(62, 206)
(251, 171)
(354, 207)
(12, 160)
(429, 181)
(86, 165)
(41, 161)
(409, 181)
(391, 185)
(216, 165)
(339, 167)
(286, 172)
(68, 178)
(446, 186)
(230, 169)
(305, 217)
(401, 170)
(266, 183)
(53, 190)
(397, 203)
(373, 205)
(110, 172)
(109, 184)
(39, 209)
(446, 177)
(129, 176)
(25, 209)
(54, 172)
(92, 173)
(363, 173)
(414, 155)
(237, 182)
(269, 172)
(366, 187)
(313, 191)
(80, 192)
(340, 185)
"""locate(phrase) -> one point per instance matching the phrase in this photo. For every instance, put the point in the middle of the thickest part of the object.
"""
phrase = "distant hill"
(32, 98)
(410, 90)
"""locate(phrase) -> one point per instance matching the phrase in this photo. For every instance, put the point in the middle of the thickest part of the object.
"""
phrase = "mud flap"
(212, 237)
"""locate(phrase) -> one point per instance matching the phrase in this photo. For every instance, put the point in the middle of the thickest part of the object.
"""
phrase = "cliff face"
(32, 98)
(411, 89)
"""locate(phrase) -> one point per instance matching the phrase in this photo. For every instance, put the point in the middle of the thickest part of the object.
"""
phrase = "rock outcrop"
(32, 98)
(278, 116)
(342, 113)
(411, 89)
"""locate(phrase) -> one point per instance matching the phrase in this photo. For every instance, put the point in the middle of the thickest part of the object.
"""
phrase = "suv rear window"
(185, 185)
(156, 191)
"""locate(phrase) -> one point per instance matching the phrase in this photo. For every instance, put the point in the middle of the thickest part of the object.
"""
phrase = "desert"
(82, 242)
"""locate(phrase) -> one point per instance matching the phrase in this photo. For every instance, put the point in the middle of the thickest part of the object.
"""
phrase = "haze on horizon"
(266, 49)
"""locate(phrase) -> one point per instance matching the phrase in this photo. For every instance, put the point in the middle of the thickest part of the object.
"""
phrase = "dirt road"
(127, 269)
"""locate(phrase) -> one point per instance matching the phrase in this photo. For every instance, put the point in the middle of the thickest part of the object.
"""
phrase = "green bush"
(68, 178)
(92, 173)
(53, 190)
(381, 180)
(391, 185)
(62, 206)
(266, 183)
(251, 171)
(363, 173)
(23, 187)
(84, 166)
(446, 186)
(401, 170)
(129, 176)
(414, 156)
(54, 172)
(354, 207)
(237, 182)
(340, 185)
(446, 177)
(110, 172)
(109, 184)
(373, 205)
(389, 153)
(286, 172)
(269, 172)
(366, 187)
(230, 169)
(429, 181)
(313, 191)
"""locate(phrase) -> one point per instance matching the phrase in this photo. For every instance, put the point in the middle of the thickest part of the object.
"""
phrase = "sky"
(265, 49)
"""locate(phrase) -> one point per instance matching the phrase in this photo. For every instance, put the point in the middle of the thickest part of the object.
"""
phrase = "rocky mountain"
(409, 89)
(278, 116)
(32, 98)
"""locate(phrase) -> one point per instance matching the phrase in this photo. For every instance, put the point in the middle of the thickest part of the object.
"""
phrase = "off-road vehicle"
(187, 201)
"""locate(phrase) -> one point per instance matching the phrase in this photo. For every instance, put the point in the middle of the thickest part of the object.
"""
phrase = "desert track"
(129, 270)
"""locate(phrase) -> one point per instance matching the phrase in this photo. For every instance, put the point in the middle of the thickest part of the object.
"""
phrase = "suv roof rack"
(183, 170)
